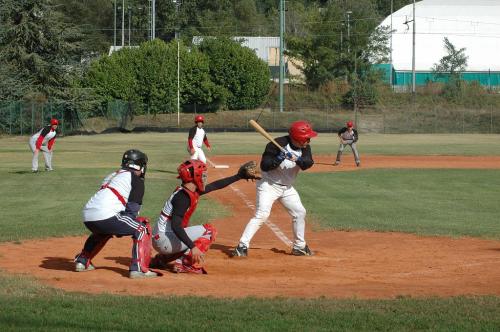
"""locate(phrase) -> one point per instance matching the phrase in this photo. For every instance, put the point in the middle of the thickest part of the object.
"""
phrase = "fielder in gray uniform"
(279, 171)
(348, 136)
(43, 140)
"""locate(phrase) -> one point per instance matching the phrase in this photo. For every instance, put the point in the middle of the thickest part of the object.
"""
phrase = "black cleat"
(302, 252)
(240, 251)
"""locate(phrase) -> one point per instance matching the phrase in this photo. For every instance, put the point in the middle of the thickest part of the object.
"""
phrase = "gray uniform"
(349, 137)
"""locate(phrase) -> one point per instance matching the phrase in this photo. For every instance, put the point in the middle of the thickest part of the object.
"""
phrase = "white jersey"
(198, 138)
(49, 134)
(286, 172)
(105, 203)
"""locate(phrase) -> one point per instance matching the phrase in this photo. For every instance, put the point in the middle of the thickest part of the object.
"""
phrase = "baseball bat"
(264, 133)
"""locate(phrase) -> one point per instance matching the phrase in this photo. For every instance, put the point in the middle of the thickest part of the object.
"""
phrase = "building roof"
(470, 24)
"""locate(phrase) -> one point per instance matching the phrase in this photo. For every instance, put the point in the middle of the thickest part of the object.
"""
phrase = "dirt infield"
(346, 264)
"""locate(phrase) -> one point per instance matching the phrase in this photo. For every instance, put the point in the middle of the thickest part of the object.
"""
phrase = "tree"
(237, 69)
(38, 47)
(451, 65)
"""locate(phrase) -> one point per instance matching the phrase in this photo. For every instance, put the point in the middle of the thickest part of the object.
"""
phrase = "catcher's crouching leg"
(185, 263)
(141, 252)
(92, 246)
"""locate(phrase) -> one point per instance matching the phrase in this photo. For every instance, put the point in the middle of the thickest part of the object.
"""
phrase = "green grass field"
(431, 202)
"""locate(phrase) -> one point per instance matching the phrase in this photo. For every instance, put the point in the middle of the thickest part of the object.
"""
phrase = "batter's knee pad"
(85, 256)
(143, 244)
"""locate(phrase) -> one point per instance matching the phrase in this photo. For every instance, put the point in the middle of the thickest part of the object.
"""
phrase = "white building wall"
(473, 24)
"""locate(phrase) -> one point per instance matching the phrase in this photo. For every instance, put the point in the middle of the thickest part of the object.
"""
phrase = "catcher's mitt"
(249, 171)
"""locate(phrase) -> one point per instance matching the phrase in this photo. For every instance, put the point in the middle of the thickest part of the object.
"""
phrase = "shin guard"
(94, 244)
(141, 251)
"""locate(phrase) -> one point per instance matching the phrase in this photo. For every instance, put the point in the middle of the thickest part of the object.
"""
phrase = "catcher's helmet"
(194, 171)
(199, 118)
(54, 122)
(135, 160)
(349, 124)
(301, 131)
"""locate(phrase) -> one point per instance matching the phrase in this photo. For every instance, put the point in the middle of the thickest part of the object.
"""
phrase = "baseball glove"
(249, 171)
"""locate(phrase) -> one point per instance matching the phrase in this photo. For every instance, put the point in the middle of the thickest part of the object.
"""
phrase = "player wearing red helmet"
(196, 138)
(348, 136)
(43, 140)
(173, 238)
(279, 170)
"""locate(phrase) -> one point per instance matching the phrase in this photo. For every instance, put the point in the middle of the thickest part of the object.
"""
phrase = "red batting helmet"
(349, 124)
(54, 122)
(194, 171)
(301, 131)
(199, 118)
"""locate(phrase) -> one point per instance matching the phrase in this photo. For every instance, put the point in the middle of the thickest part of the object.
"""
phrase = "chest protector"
(193, 197)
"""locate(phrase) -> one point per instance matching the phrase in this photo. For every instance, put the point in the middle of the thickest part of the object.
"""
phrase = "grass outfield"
(32, 307)
(451, 202)
(434, 202)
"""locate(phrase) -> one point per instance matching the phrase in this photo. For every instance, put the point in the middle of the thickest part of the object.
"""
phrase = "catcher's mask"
(301, 131)
(194, 171)
(135, 160)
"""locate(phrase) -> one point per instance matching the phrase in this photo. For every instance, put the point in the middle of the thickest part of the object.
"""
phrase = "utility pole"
(390, 75)
(282, 57)
(413, 73)
(129, 19)
(153, 19)
(114, 26)
(348, 31)
(177, 3)
(123, 23)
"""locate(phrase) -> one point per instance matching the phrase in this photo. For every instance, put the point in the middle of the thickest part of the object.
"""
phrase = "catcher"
(173, 238)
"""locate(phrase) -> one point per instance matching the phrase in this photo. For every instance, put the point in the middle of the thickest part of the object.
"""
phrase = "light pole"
(153, 19)
(129, 19)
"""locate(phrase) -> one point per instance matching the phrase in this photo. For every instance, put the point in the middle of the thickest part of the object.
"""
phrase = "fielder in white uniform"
(43, 141)
(279, 170)
(196, 138)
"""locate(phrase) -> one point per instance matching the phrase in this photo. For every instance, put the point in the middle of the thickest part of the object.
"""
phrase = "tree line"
(56, 50)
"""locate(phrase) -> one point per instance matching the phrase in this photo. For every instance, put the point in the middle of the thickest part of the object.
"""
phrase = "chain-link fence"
(23, 118)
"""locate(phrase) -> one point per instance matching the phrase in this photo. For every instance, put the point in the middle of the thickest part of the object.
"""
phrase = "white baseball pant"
(168, 243)
(267, 194)
(47, 156)
(199, 155)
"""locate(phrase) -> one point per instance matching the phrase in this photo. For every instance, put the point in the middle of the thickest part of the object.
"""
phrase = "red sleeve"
(39, 141)
(205, 140)
(51, 143)
(190, 143)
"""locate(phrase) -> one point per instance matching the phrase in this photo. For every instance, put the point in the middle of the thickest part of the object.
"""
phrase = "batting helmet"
(194, 171)
(301, 131)
(135, 160)
(54, 122)
(349, 124)
(199, 118)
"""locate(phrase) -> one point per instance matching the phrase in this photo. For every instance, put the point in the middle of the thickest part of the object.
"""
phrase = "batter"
(279, 170)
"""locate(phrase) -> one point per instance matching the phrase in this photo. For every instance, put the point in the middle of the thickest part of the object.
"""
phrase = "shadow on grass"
(24, 172)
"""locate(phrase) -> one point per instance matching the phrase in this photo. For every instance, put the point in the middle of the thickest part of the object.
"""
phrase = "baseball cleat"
(358, 164)
(302, 252)
(336, 163)
(142, 275)
(181, 268)
(79, 267)
(240, 251)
